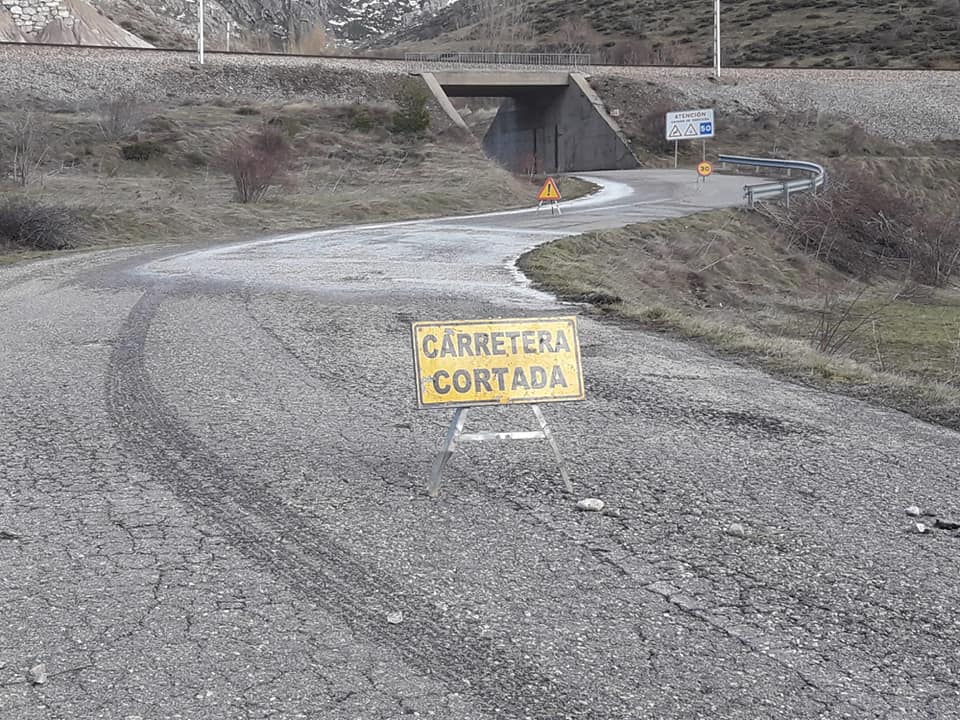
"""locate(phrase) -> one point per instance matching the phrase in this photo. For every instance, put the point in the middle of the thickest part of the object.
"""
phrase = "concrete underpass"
(551, 122)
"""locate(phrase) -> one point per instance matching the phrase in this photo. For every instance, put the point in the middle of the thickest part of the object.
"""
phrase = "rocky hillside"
(806, 33)
(305, 26)
(790, 33)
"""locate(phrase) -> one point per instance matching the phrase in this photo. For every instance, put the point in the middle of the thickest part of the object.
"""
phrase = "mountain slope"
(824, 33)
(265, 24)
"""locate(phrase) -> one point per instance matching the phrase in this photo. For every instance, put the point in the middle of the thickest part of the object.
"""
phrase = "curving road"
(212, 503)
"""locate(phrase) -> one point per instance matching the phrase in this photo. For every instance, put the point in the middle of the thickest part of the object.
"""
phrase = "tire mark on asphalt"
(301, 553)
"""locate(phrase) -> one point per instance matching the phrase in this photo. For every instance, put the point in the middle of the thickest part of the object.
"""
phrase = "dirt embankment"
(896, 105)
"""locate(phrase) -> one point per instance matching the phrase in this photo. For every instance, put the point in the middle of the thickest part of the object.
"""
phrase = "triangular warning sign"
(674, 132)
(691, 131)
(549, 191)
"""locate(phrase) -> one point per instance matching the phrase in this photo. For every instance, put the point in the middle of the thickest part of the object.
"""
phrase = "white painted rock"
(913, 511)
(921, 528)
(736, 530)
(38, 674)
(590, 505)
(395, 618)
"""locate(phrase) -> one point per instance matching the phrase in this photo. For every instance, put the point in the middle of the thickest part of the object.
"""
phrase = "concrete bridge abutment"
(550, 122)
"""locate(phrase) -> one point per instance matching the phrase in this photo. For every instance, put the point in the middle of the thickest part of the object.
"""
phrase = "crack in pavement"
(312, 563)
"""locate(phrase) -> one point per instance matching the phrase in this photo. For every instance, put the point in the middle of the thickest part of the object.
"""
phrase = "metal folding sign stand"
(554, 205)
(455, 435)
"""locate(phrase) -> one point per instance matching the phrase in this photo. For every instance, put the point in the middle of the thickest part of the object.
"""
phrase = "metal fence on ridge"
(428, 61)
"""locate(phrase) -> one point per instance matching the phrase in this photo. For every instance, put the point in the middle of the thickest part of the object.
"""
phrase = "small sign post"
(689, 125)
(703, 172)
(549, 192)
(469, 363)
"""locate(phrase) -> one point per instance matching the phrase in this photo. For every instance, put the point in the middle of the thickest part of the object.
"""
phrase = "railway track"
(399, 58)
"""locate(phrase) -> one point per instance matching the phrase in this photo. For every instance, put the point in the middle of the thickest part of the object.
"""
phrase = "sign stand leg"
(703, 153)
(676, 148)
(545, 429)
(456, 435)
(449, 445)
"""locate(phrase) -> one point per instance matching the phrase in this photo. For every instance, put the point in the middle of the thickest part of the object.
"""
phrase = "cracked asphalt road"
(212, 497)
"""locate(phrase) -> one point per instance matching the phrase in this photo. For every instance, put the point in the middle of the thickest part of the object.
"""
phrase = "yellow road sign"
(494, 362)
(704, 169)
(549, 192)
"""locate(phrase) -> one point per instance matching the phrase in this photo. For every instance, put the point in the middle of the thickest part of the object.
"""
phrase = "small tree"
(258, 162)
(502, 24)
(577, 35)
(412, 116)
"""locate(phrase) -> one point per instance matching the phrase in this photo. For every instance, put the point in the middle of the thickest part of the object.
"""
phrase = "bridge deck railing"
(431, 61)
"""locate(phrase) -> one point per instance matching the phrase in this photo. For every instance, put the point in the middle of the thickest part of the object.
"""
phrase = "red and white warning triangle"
(549, 192)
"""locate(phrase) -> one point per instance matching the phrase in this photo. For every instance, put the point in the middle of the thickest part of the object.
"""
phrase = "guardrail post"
(786, 195)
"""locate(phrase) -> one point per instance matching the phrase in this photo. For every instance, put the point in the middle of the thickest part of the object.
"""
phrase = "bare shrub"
(120, 115)
(28, 146)
(841, 317)
(525, 165)
(502, 24)
(675, 53)
(632, 52)
(577, 35)
(947, 8)
(861, 226)
(258, 162)
(32, 225)
(652, 126)
(936, 256)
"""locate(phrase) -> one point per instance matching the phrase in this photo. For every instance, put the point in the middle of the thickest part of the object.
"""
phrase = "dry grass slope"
(158, 176)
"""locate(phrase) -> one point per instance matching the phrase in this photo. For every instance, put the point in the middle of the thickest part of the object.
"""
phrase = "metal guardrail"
(779, 188)
(427, 61)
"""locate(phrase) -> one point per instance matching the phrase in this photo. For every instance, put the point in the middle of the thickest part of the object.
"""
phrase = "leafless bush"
(936, 256)
(258, 162)
(525, 165)
(860, 226)
(576, 35)
(652, 125)
(119, 115)
(502, 24)
(842, 316)
(33, 225)
(632, 52)
(28, 146)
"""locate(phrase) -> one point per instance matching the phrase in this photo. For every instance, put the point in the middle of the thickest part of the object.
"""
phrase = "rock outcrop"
(9, 30)
(80, 24)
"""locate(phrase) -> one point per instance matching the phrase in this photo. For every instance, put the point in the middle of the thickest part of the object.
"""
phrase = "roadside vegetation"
(854, 290)
(124, 172)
